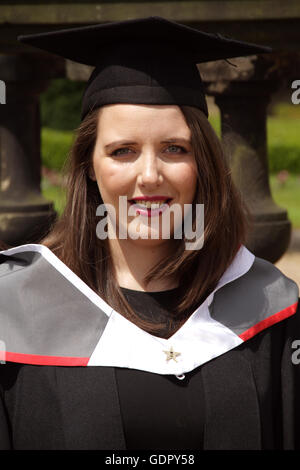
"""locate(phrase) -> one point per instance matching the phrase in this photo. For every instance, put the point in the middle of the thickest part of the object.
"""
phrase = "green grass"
(287, 195)
(283, 144)
(215, 121)
(283, 132)
(54, 194)
(55, 146)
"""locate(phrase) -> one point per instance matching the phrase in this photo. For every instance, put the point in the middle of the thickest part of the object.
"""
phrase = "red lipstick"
(151, 198)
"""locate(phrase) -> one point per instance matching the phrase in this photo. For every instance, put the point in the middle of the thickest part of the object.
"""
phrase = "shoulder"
(277, 293)
(17, 261)
(260, 298)
(41, 310)
(265, 276)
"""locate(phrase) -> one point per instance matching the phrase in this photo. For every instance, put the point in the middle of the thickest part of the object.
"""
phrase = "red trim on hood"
(275, 318)
(35, 359)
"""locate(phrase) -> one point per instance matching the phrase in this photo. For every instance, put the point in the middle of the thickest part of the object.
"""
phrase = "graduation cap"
(142, 61)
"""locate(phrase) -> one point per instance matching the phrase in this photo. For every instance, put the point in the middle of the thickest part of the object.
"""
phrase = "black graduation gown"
(250, 399)
(245, 397)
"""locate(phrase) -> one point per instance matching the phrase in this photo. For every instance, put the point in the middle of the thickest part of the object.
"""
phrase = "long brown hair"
(73, 238)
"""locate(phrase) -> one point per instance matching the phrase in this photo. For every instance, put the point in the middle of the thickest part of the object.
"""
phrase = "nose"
(150, 174)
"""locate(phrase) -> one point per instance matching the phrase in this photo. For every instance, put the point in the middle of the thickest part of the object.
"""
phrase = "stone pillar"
(25, 215)
(242, 96)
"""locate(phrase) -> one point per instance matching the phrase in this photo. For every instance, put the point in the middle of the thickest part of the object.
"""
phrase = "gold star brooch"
(171, 354)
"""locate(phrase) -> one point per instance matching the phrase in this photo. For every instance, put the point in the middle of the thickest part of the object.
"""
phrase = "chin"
(148, 239)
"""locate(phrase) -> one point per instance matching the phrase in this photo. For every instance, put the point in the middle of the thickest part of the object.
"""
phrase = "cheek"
(186, 182)
(111, 179)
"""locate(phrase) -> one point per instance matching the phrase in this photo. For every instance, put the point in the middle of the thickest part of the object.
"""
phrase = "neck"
(132, 262)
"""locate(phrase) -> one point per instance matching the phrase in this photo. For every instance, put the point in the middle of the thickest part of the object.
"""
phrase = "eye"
(121, 151)
(176, 149)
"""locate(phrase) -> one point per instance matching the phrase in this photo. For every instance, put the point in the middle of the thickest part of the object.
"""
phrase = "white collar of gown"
(200, 338)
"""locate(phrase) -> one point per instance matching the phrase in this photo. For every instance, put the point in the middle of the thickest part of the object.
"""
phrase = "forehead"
(146, 119)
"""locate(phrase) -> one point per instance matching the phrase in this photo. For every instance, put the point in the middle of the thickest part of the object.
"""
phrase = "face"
(144, 153)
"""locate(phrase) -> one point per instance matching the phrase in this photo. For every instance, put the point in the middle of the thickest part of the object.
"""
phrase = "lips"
(150, 201)
(150, 205)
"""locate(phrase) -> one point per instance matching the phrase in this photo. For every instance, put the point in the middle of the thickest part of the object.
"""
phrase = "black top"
(173, 417)
(159, 309)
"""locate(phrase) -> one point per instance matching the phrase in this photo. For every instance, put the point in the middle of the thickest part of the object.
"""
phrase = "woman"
(185, 348)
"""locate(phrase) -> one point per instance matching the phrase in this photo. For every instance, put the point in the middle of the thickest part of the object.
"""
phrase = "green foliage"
(55, 194)
(215, 121)
(55, 147)
(61, 104)
(284, 144)
(287, 195)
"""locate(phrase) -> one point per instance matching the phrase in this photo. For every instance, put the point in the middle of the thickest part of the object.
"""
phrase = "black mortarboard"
(142, 61)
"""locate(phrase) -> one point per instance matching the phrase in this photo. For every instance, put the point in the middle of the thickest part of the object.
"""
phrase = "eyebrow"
(167, 141)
